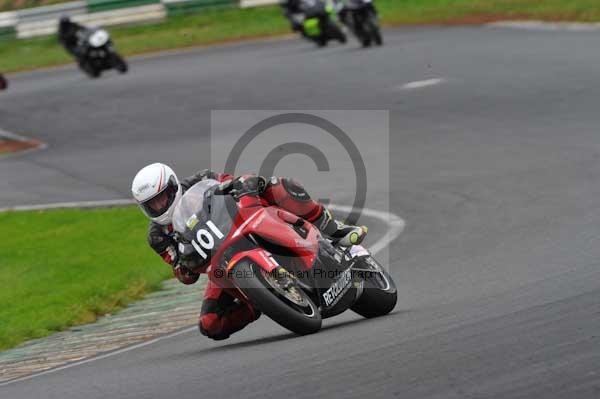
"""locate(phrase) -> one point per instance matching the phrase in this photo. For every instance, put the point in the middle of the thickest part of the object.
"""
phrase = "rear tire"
(321, 42)
(120, 64)
(379, 296)
(273, 304)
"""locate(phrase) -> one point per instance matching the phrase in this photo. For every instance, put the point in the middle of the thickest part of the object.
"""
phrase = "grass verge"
(222, 25)
(60, 268)
(9, 5)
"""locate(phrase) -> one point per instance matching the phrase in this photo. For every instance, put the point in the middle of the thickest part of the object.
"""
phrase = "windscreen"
(204, 218)
(191, 202)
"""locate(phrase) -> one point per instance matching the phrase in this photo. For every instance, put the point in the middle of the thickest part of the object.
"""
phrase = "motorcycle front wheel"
(379, 294)
(89, 69)
(335, 32)
(278, 296)
(375, 30)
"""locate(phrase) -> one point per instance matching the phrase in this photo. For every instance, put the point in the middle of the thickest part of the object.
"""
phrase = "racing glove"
(249, 185)
(185, 275)
(243, 185)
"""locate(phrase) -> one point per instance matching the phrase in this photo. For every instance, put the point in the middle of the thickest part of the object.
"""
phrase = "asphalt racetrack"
(494, 166)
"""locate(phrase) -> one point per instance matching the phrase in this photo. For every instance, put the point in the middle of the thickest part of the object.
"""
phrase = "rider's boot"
(341, 234)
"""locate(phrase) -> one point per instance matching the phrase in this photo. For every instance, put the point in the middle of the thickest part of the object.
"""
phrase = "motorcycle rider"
(69, 34)
(290, 9)
(157, 190)
(345, 12)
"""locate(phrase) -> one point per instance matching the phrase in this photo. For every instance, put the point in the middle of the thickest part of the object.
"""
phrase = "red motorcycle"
(278, 262)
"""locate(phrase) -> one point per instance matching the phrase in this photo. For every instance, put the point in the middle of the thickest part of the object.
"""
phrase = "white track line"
(421, 83)
(395, 224)
(80, 204)
(395, 227)
(547, 26)
(12, 136)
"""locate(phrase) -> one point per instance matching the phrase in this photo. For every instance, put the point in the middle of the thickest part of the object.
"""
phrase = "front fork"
(353, 254)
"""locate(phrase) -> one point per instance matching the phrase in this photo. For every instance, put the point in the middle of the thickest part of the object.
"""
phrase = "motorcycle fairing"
(269, 237)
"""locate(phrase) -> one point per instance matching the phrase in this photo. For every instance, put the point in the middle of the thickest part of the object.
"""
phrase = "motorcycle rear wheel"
(294, 311)
(120, 64)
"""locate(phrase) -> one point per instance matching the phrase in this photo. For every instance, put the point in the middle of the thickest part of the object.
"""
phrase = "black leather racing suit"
(161, 238)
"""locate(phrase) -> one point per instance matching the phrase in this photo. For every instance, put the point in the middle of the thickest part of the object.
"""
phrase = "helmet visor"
(161, 202)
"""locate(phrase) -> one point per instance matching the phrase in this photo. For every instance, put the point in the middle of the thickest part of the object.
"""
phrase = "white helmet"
(156, 190)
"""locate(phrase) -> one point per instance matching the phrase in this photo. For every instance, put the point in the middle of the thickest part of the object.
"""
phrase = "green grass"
(210, 26)
(476, 11)
(60, 268)
(220, 25)
(9, 5)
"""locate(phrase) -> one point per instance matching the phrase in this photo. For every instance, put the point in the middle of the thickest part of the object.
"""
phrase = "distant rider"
(291, 9)
(69, 34)
(157, 191)
(345, 7)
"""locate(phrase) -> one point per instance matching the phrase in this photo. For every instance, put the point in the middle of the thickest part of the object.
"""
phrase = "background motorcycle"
(278, 262)
(361, 18)
(318, 22)
(95, 53)
(3, 82)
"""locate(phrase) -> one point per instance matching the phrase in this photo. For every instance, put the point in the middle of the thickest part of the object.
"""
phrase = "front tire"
(375, 30)
(335, 32)
(89, 69)
(301, 317)
(379, 296)
(321, 42)
(366, 41)
(377, 36)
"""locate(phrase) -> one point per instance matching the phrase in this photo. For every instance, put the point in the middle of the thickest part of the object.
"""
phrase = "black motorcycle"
(317, 22)
(361, 18)
(95, 53)
(3, 82)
